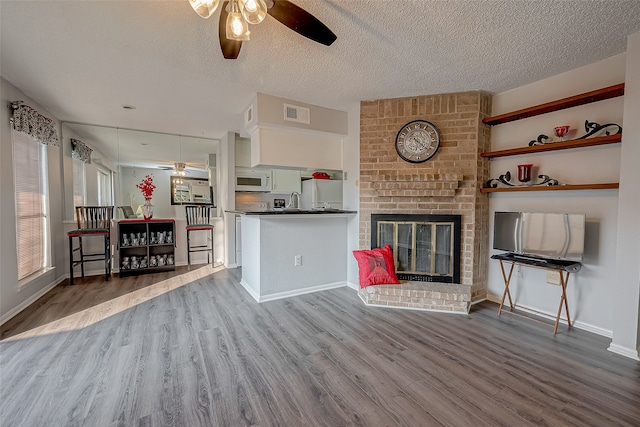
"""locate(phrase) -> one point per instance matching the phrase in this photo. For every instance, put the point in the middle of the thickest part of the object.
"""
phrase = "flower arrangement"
(147, 187)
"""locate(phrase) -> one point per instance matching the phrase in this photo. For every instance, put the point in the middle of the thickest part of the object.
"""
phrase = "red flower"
(147, 187)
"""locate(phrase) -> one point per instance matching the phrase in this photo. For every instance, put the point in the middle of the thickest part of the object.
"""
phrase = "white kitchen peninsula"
(274, 242)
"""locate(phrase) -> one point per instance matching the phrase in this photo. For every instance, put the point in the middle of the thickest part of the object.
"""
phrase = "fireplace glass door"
(419, 247)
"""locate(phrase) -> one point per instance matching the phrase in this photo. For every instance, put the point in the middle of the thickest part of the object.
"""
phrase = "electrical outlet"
(553, 277)
(297, 260)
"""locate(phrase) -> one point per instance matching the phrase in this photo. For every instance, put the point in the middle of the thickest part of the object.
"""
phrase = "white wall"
(227, 172)
(591, 291)
(14, 296)
(626, 286)
(351, 190)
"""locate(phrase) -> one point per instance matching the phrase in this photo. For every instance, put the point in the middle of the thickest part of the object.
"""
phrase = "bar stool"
(92, 221)
(198, 218)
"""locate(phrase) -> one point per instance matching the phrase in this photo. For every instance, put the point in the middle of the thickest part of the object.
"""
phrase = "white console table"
(564, 268)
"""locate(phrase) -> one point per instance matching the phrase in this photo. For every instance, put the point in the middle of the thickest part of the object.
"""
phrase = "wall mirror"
(121, 158)
(191, 191)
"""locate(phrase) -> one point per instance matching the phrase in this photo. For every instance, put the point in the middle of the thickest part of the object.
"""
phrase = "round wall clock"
(417, 141)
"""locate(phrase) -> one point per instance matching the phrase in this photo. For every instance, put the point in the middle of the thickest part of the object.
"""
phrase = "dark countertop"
(294, 212)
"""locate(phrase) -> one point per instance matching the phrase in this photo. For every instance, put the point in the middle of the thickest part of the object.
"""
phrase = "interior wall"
(590, 292)
(227, 172)
(16, 296)
(351, 190)
(626, 287)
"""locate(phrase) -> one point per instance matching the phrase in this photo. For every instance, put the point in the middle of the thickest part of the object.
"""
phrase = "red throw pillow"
(376, 267)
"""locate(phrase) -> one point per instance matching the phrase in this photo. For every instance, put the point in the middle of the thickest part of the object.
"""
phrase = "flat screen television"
(543, 235)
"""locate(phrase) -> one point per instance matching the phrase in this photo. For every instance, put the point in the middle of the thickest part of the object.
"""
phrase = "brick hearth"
(449, 183)
(419, 296)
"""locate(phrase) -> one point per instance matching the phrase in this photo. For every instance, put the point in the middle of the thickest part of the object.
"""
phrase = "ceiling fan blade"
(302, 22)
(230, 48)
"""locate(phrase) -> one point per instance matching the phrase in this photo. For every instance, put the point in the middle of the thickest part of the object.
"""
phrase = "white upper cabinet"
(286, 181)
(294, 149)
(243, 152)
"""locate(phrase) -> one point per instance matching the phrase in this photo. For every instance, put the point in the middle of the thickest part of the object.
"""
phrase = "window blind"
(104, 187)
(79, 188)
(29, 172)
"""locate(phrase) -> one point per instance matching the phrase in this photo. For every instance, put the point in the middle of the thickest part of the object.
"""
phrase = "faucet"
(291, 204)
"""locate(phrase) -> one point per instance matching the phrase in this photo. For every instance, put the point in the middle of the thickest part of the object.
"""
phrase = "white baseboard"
(624, 351)
(594, 329)
(551, 316)
(289, 294)
(353, 286)
(248, 288)
(26, 303)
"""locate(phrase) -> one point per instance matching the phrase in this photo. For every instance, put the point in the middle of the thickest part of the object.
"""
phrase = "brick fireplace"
(447, 184)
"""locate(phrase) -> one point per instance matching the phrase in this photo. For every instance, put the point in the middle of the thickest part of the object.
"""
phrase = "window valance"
(80, 150)
(27, 120)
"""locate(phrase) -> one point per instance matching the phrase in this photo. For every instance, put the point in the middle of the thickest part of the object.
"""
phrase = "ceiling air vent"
(295, 113)
(248, 117)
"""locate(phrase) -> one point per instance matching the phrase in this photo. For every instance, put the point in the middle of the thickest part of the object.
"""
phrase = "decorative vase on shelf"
(524, 173)
(147, 210)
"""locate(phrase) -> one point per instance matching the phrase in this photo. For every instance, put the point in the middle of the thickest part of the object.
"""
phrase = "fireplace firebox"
(426, 248)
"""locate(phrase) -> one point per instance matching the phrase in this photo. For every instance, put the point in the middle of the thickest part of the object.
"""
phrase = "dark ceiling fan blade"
(230, 48)
(302, 22)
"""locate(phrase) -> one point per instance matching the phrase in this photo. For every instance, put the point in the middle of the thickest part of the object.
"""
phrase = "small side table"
(564, 268)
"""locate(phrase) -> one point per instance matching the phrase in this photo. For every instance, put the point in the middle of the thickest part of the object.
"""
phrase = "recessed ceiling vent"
(295, 113)
(248, 117)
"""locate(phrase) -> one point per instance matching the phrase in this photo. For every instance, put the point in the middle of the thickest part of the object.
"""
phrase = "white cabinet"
(287, 148)
(286, 181)
(243, 152)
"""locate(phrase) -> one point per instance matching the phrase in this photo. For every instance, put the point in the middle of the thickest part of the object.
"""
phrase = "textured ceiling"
(83, 60)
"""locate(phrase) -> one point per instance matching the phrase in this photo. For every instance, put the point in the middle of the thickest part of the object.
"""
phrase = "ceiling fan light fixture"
(178, 169)
(236, 27)
(204, 8)
(253, 11)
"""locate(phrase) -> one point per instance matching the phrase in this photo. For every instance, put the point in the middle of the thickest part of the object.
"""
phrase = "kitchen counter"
(287, 253)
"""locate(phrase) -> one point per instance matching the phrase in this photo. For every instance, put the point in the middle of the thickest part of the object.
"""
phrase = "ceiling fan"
(235, 16)
(182, 168)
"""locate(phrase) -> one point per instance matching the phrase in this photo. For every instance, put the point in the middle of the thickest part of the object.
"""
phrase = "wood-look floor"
(206, 354)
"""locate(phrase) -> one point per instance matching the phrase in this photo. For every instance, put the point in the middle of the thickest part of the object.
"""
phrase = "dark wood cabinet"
(146, 246)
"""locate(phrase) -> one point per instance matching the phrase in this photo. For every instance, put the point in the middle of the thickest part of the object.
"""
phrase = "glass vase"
(524, 173)
(147, 210)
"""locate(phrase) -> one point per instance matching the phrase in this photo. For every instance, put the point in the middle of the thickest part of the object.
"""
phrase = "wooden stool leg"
(70, 260)
(188, 249)
(212, 259)
(81, 256)
(107, 257)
